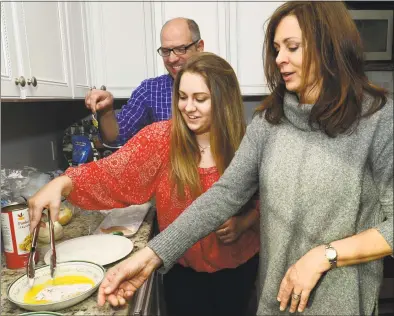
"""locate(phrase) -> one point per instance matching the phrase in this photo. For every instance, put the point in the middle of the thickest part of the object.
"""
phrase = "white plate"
(100, 249)
(17, 289)
(44, 313)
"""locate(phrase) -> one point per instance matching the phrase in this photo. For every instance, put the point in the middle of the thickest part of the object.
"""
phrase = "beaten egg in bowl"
(58, 289)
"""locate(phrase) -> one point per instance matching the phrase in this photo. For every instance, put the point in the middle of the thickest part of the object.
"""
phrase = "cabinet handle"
(104, 88)
(21, 80)
(32, 81)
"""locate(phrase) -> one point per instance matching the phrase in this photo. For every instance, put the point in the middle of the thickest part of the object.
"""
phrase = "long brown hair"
(227, 124)
(334, 54)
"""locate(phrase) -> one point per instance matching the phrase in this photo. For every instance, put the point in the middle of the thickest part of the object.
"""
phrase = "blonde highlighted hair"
(227, 124)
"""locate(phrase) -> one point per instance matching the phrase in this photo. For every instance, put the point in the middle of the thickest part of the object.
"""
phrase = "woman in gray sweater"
(320, 152)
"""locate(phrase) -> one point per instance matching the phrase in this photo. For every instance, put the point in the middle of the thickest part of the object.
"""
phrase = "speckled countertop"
(81, 225)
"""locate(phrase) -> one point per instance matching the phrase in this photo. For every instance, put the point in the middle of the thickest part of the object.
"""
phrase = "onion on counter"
(65, 215)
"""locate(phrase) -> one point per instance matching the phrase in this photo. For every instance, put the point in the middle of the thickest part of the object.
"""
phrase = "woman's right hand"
(123, 280)
(49, 196)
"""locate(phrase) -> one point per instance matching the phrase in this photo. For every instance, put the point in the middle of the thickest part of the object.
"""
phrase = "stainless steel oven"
(149, 300)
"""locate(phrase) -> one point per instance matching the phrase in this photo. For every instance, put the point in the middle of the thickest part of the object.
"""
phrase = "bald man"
(151, 101)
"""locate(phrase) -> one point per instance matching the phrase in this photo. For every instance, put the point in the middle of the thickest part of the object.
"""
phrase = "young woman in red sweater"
(175, 161)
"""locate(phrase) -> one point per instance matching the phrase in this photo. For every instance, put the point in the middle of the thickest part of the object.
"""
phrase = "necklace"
(202, 150)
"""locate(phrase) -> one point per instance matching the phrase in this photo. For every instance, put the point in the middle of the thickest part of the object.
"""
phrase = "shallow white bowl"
(40, 314)
(17, 289)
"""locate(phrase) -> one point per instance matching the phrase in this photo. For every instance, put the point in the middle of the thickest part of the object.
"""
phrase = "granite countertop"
(81, 225)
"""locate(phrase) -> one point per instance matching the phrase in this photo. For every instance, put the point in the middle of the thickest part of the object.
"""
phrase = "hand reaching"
(122, 281)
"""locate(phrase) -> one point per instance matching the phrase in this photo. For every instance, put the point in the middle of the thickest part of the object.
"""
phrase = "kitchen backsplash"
(30, 129)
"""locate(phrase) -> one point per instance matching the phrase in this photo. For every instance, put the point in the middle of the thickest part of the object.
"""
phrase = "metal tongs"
(31, 265)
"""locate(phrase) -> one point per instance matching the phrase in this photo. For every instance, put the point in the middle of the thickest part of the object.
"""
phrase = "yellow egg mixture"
(57, 283)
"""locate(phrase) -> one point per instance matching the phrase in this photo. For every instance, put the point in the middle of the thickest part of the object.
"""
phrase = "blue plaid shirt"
(149, 103)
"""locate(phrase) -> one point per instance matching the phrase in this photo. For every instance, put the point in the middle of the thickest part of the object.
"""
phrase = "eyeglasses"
(180, 50)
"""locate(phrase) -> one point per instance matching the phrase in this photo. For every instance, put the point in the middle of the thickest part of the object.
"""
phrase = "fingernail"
(281, 308)
(278, 298)
(300, 310)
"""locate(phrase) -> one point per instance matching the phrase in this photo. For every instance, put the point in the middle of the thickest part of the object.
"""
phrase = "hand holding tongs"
(31, 266)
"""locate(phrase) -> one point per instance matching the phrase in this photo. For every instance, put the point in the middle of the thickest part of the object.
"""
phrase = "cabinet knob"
(21, 80)
(32, 81)
(104, 88)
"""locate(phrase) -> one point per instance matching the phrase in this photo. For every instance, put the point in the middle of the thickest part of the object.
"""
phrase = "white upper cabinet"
(44, 49)
(210, 17)
(42, 36)
(61, 49)
(247, 30)
(9, 59)
(122, 48)
(79, 48)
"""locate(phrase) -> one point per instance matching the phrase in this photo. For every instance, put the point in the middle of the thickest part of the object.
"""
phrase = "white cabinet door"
(9, 58)
(80, 64)
(42, 34)
(122, 45)
(384, 79)
(247, 30)
(210, 17)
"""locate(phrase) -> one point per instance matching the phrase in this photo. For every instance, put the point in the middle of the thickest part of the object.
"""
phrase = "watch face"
(331, 254)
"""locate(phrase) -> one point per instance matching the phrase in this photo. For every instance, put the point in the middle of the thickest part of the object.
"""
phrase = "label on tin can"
(22, 230)
(17, 239)
(6, 230)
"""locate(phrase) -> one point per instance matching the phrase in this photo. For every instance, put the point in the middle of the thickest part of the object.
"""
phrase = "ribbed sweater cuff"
(169, 245)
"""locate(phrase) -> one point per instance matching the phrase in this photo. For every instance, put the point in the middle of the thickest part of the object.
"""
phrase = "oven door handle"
(143, 301)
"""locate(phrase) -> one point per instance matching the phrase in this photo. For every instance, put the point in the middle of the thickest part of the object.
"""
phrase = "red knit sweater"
(140, 170)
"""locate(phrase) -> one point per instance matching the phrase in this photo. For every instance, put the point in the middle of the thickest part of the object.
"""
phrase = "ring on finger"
(296, 297)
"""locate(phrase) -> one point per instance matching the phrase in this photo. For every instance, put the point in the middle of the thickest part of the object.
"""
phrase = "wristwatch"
(331, 255)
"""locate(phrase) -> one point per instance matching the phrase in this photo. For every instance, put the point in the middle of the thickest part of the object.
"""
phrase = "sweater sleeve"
(236, 186)
(382, 168)
(126, 177)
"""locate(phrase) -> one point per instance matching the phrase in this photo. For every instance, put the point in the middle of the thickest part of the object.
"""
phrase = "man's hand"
(103, 102)
(99, 100)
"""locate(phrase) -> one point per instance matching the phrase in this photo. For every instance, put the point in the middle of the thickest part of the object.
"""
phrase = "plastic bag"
(13, 181)
(19, 183)
(82, 151)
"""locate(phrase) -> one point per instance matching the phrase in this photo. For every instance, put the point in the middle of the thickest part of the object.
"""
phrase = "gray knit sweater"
(313, 190)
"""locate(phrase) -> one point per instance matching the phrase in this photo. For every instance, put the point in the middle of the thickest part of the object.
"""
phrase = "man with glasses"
(151, 101)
